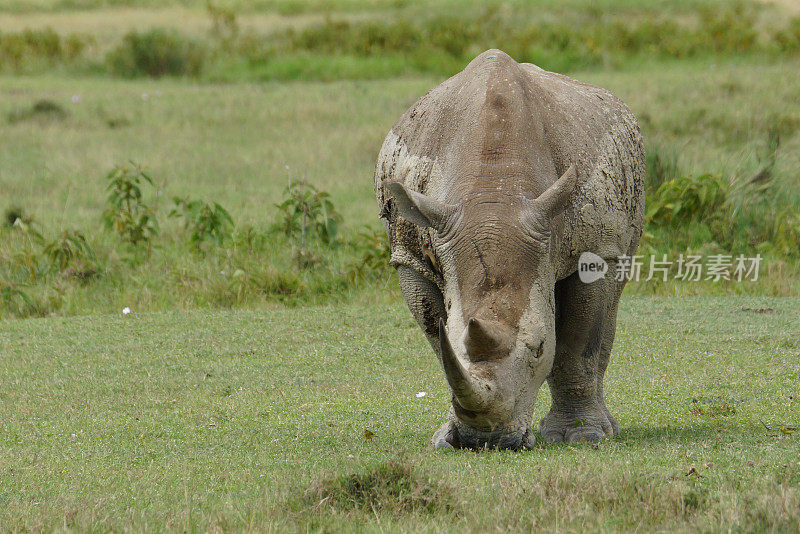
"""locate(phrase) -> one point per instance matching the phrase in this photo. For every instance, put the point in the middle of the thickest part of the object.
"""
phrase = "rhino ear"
(553, 201)
(419, 209)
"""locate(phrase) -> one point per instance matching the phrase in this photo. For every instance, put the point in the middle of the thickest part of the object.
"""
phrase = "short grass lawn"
(258, 420)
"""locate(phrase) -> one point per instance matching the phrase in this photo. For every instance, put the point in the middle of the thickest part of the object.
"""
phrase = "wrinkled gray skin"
(490, 187)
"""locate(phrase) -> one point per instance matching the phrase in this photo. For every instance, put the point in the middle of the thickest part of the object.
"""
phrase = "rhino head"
(494, 251)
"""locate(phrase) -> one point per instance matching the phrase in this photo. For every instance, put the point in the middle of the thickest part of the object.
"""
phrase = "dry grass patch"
(392, 486)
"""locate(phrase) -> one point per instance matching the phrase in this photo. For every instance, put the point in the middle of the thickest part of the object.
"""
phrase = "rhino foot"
(584, 426)
(446, 437)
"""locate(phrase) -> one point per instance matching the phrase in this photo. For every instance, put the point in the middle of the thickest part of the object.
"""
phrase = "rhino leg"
(586, 320)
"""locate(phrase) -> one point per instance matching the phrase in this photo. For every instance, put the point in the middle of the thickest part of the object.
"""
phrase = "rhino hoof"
(446, 437)
(442, 444)
(557, 427)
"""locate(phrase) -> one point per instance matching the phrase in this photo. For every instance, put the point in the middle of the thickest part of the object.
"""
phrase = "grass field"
(233, 143)
(224, 420)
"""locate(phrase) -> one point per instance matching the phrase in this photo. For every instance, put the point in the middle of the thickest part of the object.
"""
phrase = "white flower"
(126, 310)
(145, 96)
(421, 394)
(76, 99)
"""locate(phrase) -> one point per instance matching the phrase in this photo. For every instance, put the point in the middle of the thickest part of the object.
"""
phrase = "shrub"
(788, 40)
(306, 208)
(204, 221)
(127, 213)
(156, 53)
(70, 250)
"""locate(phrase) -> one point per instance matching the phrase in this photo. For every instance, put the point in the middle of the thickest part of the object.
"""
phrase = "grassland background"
(214, 405)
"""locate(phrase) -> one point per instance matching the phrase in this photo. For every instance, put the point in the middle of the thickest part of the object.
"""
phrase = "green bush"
(662, 166)
(305, 210)
(157, 53)
(203, 221)
(555, 45)
(70, 250)
(128, 214)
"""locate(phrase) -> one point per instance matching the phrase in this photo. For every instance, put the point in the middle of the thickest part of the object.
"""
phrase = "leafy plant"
(305, 209)
(127, 213)
(781, 233)
(43, 48)
(204, 221)
(70, 249)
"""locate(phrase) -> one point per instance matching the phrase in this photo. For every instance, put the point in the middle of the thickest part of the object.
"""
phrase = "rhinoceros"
(490, 188)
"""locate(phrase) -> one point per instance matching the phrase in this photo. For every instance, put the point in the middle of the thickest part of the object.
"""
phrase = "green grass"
(237, 394)
(352, 40)
(244, 420)
(231, 144)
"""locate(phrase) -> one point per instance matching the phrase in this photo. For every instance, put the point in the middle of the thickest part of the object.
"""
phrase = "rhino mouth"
(457, 435)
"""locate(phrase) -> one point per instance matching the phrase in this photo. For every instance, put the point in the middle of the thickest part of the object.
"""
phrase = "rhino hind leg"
(586, 320)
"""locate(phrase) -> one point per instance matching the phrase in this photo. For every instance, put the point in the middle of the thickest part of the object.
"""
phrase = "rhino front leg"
(586, 321)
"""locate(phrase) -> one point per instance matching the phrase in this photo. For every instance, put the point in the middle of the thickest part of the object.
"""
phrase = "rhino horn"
(555, 198)
(487, 340)
(465, 387)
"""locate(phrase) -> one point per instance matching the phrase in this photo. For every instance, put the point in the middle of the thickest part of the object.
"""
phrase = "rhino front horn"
(465, 388)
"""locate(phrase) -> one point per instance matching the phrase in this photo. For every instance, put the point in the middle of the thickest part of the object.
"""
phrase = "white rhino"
(490, 188)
